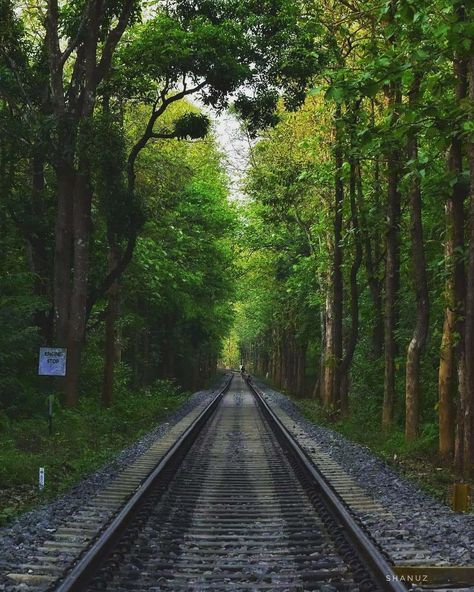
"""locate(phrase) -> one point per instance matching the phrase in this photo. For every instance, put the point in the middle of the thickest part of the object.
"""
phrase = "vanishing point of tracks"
(234, 506)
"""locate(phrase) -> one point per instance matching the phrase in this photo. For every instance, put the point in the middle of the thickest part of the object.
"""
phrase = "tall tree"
(392, 243)
(186, 48)
(420, 332)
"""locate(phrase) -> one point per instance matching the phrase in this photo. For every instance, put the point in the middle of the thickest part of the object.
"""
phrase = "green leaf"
(335, 93)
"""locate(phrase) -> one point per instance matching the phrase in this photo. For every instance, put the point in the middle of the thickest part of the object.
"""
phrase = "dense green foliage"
(359, 256)
(116, 233)
(175, 298)
(355, 246)
(176, 294)
(83, 439)
(71, 78)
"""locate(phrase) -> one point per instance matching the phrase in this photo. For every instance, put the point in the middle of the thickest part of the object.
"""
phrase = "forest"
(344, 274)
(359, 233)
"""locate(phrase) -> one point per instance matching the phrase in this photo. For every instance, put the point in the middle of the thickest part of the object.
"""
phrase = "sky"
(235, 146)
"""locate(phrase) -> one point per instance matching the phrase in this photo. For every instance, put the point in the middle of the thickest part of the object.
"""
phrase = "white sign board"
(52, 361)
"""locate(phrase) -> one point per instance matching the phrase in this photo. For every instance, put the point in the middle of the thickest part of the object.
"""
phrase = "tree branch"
(73, 43)
(113, 275)
(163, 136)
(112, 40)
(305, 229)
(54, 54)
(149, 133)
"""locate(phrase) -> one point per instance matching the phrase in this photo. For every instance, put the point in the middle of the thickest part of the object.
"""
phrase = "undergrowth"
(83, 439)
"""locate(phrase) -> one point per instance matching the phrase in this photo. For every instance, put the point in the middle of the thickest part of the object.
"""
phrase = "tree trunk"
(287, 362)
(301, 367)
(78, 309)
(318, 385)
(447, 387)
(467, 401)
(455, 290)
(63, 251)
(277, 359)
(36, 244)
(392, 268)
(420, 333)
(354, 291)
(111, 346)
(372, 267)
(327, 394)
(337, 277)
(451, 345)
(372, 257)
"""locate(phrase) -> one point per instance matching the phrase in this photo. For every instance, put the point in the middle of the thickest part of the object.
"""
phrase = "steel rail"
(88, 563)
(382, 572)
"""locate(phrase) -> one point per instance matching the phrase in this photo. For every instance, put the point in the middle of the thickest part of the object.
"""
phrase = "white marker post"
(52, 362)
(41, 479)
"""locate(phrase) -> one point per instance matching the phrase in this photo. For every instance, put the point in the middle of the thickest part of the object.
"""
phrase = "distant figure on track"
(242, 370)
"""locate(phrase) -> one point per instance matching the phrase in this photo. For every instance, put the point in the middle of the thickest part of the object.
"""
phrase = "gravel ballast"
(449, 536)
(425, 521)
(20, 540)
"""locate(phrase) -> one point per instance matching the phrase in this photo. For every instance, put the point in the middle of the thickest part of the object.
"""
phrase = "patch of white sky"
(235, 145)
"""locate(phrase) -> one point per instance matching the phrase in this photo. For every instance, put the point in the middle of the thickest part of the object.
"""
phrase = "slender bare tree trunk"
(112, 353)
(392, 246)
(452, 410)
(450, 344)
(392, 269)
(301, 370)
(420, 332)
(278, 359)
(337, 275)
(391, 294)
(354, 290)
(355, 197)
(63, 252)
(372, 252)
(446, 388)
(319, 383)
(467, 394)
(78, 306)
(328, 379)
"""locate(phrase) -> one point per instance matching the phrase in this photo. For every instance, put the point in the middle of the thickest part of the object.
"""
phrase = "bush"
(83, 438)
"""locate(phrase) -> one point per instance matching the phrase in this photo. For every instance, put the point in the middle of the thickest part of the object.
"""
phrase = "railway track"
(233, 505)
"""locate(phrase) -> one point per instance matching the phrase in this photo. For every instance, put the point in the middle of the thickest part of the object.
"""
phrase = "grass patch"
(83, 439)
